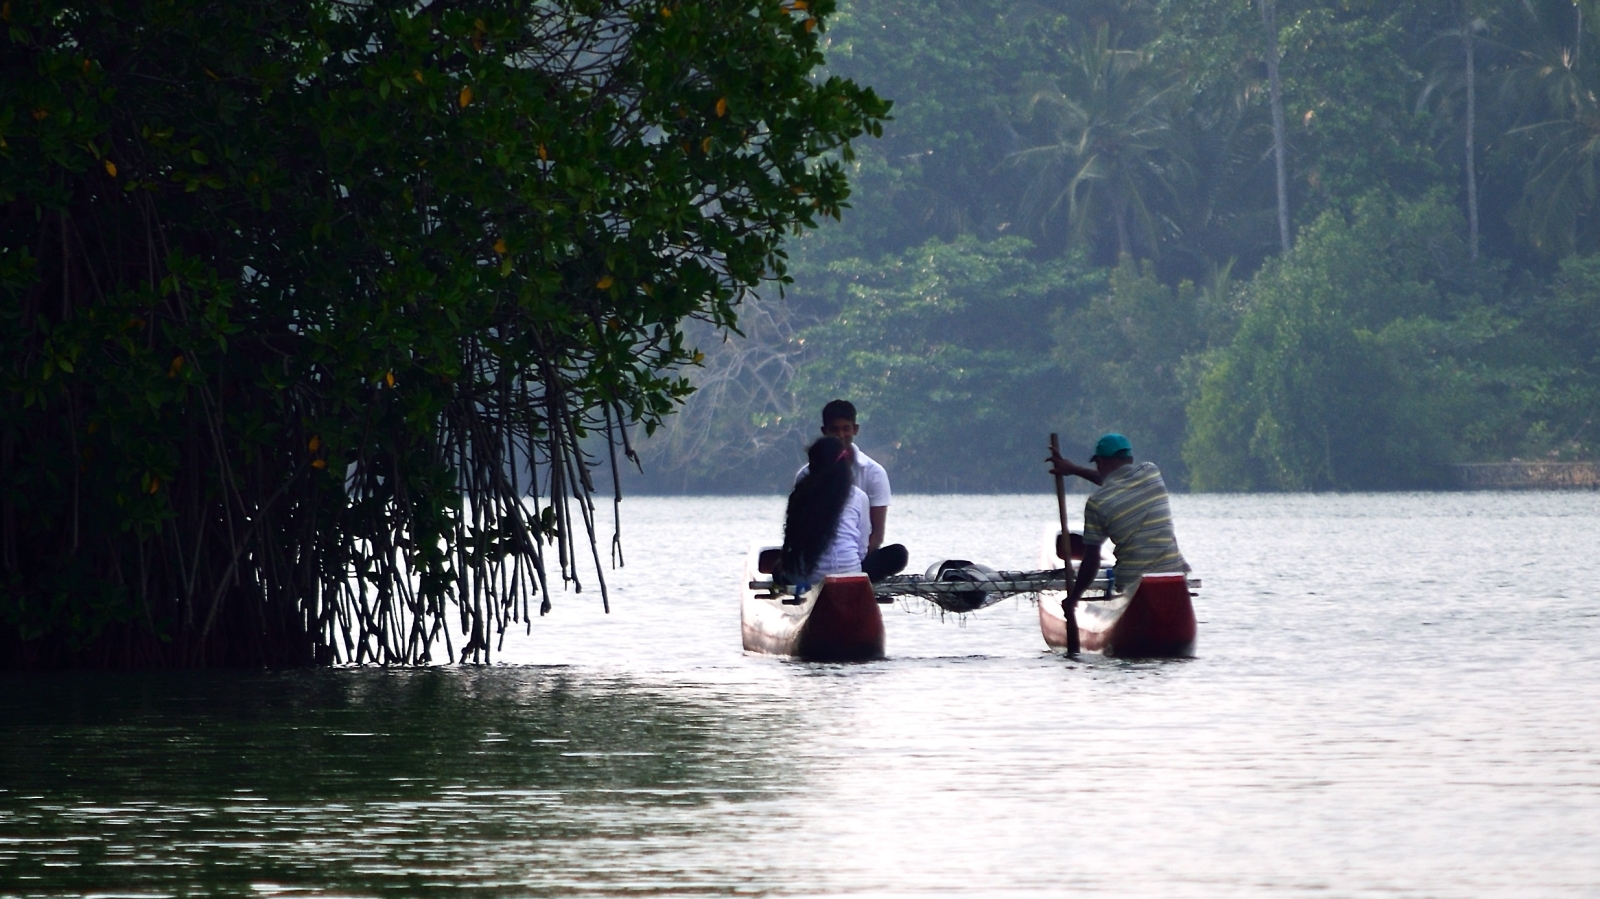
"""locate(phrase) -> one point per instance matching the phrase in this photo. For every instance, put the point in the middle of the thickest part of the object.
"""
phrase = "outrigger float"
(840, 619)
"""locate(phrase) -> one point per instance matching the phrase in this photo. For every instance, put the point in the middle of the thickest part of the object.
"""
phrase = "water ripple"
(1393, 697)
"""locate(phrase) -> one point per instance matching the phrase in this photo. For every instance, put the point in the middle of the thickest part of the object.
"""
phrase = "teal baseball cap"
(1111, 446)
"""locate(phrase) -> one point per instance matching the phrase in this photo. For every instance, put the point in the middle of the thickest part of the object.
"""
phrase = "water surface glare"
(1395, 695)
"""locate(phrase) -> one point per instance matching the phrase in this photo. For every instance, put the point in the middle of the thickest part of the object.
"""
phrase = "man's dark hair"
(838, 409)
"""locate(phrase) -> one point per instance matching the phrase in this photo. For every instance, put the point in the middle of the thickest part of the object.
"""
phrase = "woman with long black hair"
(827, 523)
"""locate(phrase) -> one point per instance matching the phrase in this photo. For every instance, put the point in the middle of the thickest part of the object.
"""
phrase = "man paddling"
(839, 421)
(1131, 508)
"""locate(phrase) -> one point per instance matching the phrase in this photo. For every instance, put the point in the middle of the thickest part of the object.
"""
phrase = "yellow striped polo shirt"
(1131, 509)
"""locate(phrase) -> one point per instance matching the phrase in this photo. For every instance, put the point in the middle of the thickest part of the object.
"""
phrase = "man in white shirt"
(839, 420)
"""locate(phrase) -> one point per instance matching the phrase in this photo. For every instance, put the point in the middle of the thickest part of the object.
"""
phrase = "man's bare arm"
(1088, 569)
(1061, 465)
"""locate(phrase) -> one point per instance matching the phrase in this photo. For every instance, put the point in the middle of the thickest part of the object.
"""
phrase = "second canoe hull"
(1156, 621)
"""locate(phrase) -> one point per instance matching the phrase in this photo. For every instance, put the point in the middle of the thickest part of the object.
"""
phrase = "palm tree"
(1469, 25)
(1554, 82)
(1104, 156)
(1222, 206)
(1453, 81)
(1269, 23)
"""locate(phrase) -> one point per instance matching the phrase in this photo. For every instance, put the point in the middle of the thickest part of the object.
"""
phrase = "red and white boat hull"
(837, 620)
(1154, 620)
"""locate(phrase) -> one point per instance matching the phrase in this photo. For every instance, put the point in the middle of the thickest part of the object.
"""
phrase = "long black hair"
(815, 505)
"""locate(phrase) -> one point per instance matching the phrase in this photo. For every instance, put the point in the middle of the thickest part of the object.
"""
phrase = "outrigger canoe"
(1152, 619)
(837, 620)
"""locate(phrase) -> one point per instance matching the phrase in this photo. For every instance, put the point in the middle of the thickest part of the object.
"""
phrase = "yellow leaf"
(543, 156)
(175, 367)
(417, 74)
(648, 290)
(313, 443)
(500, 246)
(665, 12)
(5, 11)
(800, 4)
(41, 114)
(319, 463)
(111, 168)
(388, 378)
(810, 24)
(699, 357)
(705, 145)
(465, 98)
(86, 65)
(210, 74)
(155, 484)
(722, 107)
(605, 282)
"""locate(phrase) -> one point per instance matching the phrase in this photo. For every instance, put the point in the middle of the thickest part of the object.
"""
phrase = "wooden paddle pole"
(1069, 609)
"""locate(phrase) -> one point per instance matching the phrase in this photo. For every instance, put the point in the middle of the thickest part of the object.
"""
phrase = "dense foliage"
(1350, 364)
(1443, 185)
(949, 336)
(314, 312)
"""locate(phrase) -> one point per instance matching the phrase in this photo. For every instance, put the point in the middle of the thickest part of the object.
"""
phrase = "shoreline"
(1528, 475)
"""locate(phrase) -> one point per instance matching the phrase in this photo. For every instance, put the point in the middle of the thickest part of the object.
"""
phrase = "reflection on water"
(358, 780)
(1394, 695)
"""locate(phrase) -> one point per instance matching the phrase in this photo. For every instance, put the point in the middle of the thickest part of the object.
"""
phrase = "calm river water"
(1395, 695)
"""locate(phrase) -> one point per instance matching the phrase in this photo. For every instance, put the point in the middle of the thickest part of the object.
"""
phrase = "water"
(1394, 695)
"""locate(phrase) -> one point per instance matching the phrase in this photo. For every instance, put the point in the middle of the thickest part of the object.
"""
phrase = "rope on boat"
(969, 589)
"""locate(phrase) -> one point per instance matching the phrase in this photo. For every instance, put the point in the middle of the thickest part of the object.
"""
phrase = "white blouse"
(849, 546)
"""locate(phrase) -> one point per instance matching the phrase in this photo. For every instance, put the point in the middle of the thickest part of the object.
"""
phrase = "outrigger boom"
(1006, 582)
(968, 589)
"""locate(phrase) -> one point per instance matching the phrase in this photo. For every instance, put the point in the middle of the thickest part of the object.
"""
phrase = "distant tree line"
(1075, 222)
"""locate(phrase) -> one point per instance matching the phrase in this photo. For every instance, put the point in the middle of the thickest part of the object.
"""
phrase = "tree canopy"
(315, 314)
(1442, 200)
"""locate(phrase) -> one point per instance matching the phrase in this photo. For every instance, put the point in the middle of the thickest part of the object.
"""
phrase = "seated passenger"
(827, 524)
